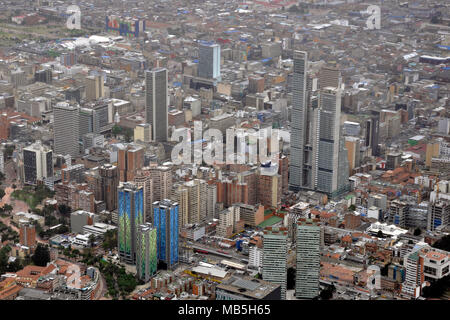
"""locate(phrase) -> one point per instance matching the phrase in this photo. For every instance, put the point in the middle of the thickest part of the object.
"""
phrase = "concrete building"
(66, 129)
(247, 288)
(130, 160)
(37, 163)
(81, 218)
(143, 133)
(209, 61)
(275, 257)
(308, 258)
(94, 87)
(27, 235)
(157, 102)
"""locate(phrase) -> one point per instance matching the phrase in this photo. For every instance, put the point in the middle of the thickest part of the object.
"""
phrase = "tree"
(443, 243)
(2, 193)
(327, 293)
(116, 130)
(352, 208)
(380, 234)
(91, 240)
(417, 232)
(41, 256)
(64, 209)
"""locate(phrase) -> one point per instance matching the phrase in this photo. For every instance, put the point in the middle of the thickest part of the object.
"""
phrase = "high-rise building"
(142, 180)
(438, 215)
(37, 163)
(146, 257)
(318, 154)
(209, 61)
(331, 145)
(165, 220)
(372, 132)
(130, 160)
(300, 175)
(27, 235)
(109, 181)
(269, 187)
(66, 129)
(94, 87)
(157, 102)
(195, 203)
(308, 258)
(88, 122)
(398, 212)
(275, 257)
(131, 215)
(162, 181)
(352, 145)
(229, 222)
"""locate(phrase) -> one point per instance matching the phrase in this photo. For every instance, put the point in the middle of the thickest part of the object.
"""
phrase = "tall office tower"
(165, 220)
(142, 180)
(27, 236)
(299, 170)
(438, 214)
(146, 253)
(398, 212)
(37, 163)
(330, 77)
(66, 129)
(94, 87)
(157, 102)
(4, 126)
(372, 132)
(109, 176)
(275, 257)
(209, 61)
(89, 122)
(308, 258)
(131, 215)
(330, 146)
(130, 160)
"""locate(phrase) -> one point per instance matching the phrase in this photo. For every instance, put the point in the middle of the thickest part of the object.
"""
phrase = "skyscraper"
(142, 180)
(275, 257)
(165, 220)
(66, 129)
(318, 153)
(109, 181)
(37, 163)
(194, 208)
(146, 259)
(27, 235)
(156, 105)
(308, 258)
(299, 170)
(131, 215)
(130, 160)
(209, 61)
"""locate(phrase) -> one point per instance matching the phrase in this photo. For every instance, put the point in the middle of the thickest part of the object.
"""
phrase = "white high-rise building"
(66, 129)
(37, 163)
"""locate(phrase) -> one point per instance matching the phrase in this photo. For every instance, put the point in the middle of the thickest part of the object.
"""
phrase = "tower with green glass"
(131, 215)
(146, 256)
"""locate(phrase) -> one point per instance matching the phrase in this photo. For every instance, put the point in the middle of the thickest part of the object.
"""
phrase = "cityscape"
(224, 150)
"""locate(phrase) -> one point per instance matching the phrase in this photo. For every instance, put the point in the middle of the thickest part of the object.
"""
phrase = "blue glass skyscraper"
(165, 220)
